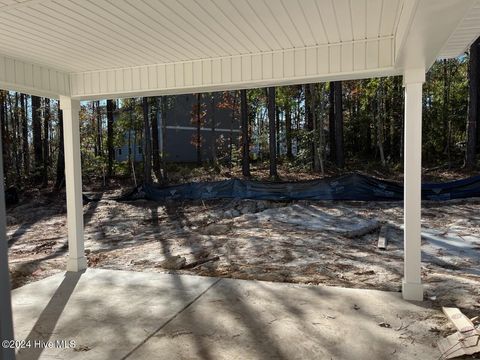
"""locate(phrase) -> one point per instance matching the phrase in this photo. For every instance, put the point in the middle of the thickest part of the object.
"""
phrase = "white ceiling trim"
(17, 75)
(353, 59)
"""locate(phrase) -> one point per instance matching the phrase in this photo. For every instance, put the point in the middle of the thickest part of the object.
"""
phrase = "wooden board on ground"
(382, 237)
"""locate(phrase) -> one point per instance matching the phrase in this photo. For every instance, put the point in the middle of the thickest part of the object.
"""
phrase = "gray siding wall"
(181, 131)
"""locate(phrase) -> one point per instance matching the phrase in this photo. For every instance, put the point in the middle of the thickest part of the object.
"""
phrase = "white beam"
(412, 287)
(33, 79)
(73, 179)
(6, 324)
(341, 61)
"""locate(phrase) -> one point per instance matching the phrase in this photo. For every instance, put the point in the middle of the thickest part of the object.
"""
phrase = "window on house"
(119, 151)
(140, 149)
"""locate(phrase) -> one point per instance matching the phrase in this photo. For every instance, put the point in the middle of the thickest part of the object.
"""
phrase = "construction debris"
(466, 341)
(200, 262)
(382, 237)
(298, 242)
(314, 217)
(173, 263)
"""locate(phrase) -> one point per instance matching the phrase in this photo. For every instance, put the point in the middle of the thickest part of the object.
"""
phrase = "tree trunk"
(99, 128)
(16, 140)
(155, 140)
(309, 124)
(277, 128)
(131, 166)
(37, 140)
(199, 129)
(60, 176)
(272, 134)
(447, 123)
(288, 131)
(317, 162)
(147, 144)
(25, 147)
(110, 149)
(331, 120)
(46, 121)
(163, 147)
(473, 104)
(245, 134)
(213, 134)
(380, 116)
(339, 148)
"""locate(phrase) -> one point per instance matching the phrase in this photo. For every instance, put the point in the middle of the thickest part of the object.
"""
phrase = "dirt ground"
(301, 242)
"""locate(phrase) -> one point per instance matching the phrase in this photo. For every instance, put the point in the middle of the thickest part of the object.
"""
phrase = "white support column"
(73, 180)
(6, 323)
(412, 288)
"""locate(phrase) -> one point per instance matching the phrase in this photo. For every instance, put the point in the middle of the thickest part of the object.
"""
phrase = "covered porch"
(85, 51)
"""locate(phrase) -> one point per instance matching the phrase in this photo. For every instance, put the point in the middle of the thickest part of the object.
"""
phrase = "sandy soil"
(302, 242)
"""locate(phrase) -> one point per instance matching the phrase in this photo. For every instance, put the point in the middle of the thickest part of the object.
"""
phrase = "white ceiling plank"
(19, 41)
(389, 15)
(328, 17)
(264, 12)
(256, 22)
(229, 11)
(136, 28)
(199, 24)
(290, 19)
(343, 16)
(220, 23)
(168, 39)
(373, 18)
(314, 21)
(181, 25)
(92, 29)
(117, 27)
(51, 29)
(359, 19)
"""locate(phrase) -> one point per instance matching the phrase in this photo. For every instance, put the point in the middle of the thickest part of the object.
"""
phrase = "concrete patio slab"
(128, 315)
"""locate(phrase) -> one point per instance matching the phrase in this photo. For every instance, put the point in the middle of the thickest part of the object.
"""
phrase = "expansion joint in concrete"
(171, 319)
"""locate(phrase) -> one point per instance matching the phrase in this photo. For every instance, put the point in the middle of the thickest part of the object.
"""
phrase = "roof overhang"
(103, 49)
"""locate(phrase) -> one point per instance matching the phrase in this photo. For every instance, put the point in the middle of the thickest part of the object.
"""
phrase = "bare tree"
(331, 120)
(25, 145)
(317, 156)
(37, 139)
(110, 149)
(60, 176)
(272, 134)
(339, 149)
(147, 143)
(245, 134)
(198, 142)
(473, 104)
(46, 155)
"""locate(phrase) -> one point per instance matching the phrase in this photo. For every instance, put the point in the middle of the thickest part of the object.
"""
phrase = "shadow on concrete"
(46, 322)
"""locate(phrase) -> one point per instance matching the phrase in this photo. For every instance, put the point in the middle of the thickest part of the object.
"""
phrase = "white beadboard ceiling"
(83, 35)
(113, 48)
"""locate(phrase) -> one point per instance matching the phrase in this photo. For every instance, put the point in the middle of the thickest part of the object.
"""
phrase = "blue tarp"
(347, 187)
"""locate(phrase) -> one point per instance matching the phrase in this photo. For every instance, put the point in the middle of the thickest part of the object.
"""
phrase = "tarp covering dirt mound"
(346, 187)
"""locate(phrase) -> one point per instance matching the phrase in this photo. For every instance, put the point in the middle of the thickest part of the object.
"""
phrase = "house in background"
(179, 142)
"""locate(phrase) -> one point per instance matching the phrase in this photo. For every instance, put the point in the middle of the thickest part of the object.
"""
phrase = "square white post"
(73, 181)
(6, 323)
(412, 287)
